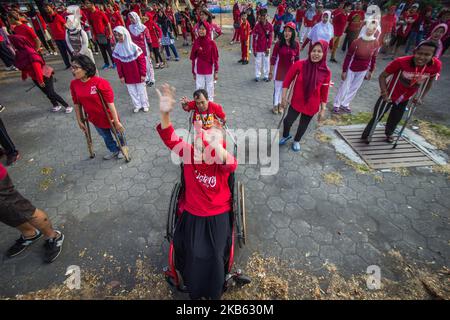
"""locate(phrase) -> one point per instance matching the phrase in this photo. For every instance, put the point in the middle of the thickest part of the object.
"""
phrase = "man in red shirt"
(101, 32)
(409, 75)
(22, 29)
(18, 212)
(355, 22)
(339, 17)
(57, 25)
(40, 27)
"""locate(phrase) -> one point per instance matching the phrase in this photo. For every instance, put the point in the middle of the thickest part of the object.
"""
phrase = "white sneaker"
(136, 110)
(120, 155)
(55, 53)
(56, 108)
(111, 155)
(146, 109)
(69, 109)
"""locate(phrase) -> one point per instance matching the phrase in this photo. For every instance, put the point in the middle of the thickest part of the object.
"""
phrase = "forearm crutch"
(385, 106)
(87, 132)
(123, 147)
(289, 97)
(411, 110)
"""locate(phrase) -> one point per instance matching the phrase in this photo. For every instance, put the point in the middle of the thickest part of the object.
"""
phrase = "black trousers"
(93, 45)
(106, 51)
(157, 54)
(6, 55)
(48, 44)
(49, 91)
(6, 141)
(64, 50)
(291, 116)
(202, 247)
(396, 114)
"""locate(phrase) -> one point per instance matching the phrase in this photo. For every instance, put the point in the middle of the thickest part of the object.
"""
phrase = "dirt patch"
(333, 178)
(444, 169)
(322, 137)
(401, 171)
(436, 134)
(272, 279)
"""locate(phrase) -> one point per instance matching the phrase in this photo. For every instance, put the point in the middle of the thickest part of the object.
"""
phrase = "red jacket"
(132, 71)
(207, 192)
(283, 59)
(205, 60)
(361, 56)
(155, 32)
(320, 94)
(244, 31)
(262, 37)
(140, 40)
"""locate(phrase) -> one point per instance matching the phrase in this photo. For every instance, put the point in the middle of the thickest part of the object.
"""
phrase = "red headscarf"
(315, 73)
(25, 52)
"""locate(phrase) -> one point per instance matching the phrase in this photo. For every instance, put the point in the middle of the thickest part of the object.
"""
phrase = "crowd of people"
(137, 37)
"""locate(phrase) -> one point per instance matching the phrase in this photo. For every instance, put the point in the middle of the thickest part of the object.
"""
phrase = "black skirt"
(202, 248)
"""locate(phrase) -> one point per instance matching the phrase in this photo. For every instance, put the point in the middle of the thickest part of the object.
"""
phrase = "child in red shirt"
(245, 31)
(412, 72)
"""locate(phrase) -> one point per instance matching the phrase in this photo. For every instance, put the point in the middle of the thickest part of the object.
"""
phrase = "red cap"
(290, 25)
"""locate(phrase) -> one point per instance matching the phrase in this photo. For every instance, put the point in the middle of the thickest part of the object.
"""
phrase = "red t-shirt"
(26, 31)
(320, 94)
(206, 186)
(35, 22)
(388, 22)
(85, 94)
(355, 20)
(57, 27)
(339, 22)
(207, 116)
(99, 22)
(411, 77)
(283, 59)
(3, 172)
(299, 15)
(116, 19)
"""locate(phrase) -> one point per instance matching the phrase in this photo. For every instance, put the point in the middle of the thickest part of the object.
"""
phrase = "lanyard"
(417, 76)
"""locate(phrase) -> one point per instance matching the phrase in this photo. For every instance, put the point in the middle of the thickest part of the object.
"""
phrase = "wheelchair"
(237, 221)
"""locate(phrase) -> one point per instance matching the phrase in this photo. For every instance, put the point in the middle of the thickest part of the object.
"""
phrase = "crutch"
(385, 106)
(123, 147)
(289, 97)
(411, 110)
(87, 133)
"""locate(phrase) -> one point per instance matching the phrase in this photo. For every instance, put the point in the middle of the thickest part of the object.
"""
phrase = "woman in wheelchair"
(202, 238)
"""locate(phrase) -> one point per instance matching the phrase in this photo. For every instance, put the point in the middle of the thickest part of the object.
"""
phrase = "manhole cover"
(380, 155)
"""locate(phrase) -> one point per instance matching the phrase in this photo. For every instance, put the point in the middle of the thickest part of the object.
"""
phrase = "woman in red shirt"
(359, 64)
(388, 22)
(311, 79)
(131, 67)
(202, 238)
(285, 52)
(411, 72)
(40, 27)
(85, 90)
(205, 60)
(32, 65)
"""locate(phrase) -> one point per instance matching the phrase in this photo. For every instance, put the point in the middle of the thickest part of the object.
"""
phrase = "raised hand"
(166, 98)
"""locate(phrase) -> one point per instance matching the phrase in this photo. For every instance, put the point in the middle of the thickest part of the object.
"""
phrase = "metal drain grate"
(380, 155)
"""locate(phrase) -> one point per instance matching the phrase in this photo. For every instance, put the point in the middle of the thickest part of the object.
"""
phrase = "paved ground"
(120, 209)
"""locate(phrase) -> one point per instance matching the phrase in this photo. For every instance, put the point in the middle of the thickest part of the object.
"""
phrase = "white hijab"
(373, 24)
(74, 19)
(137, 28)
(127, 50)
(322, 31)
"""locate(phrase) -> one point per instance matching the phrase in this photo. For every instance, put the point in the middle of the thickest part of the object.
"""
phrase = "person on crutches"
(407, 75)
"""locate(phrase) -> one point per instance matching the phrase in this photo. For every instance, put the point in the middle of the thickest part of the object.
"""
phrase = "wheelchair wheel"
(241, 227)
(172, 212)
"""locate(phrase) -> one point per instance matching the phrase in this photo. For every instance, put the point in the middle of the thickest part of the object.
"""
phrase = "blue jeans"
(174, 50)
(107, 135)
